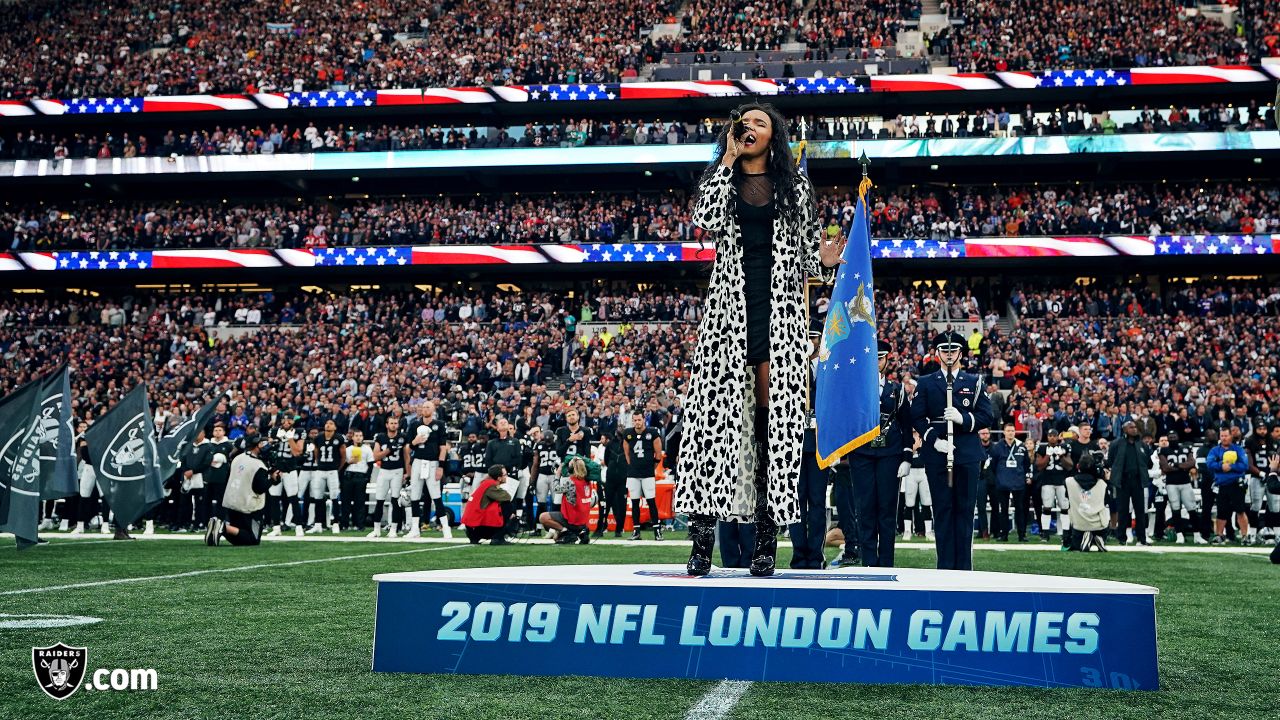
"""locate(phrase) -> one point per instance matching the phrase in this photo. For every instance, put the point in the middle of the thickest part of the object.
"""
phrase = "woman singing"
(746, 403)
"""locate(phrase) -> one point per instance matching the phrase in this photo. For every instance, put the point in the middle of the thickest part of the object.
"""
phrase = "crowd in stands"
(868, 24)
(937, 213)
(1261, 19)
(125, 48)
(1033, 35)
(1178, 356)
(380, 137)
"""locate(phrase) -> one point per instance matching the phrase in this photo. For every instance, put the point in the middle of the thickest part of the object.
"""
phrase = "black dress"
(756, 223)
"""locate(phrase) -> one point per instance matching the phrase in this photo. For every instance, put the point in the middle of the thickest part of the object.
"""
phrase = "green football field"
(286, 632)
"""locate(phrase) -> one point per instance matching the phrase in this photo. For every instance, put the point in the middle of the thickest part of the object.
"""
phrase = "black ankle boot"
(702, 531)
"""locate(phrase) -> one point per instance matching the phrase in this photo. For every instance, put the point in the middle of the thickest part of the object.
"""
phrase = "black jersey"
(394, 445)
(1259, 453)
(1057, 458)
(640, 445)
(472, 454)
(581, 446)
(1176, 455)
(327, 453)
(429, 450)
(308, 459)
(548, 458)
(526, 452)
(283, 450)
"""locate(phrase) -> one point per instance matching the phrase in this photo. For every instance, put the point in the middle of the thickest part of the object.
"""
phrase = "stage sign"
(864, 625)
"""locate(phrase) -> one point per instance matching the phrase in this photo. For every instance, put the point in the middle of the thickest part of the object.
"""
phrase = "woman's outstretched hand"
(832, 251)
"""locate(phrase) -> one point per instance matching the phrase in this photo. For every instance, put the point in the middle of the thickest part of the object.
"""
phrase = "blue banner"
(797, 626)
(848, 401)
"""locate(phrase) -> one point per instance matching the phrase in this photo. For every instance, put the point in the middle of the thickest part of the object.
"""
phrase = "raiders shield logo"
(124, 460)
(59, 669)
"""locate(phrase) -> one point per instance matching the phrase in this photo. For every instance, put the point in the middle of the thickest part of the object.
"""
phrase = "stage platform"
(862, 625)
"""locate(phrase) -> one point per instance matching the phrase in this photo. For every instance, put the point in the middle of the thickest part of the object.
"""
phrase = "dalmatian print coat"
(717, 459)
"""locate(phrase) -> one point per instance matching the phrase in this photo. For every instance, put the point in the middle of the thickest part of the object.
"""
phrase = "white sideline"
(719, 700)
(193, 573)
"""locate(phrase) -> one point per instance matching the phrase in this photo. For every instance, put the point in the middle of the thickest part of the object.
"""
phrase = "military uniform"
(953, 506)
(876, 468)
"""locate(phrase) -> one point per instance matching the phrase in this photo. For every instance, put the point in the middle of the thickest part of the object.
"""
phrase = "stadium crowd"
(1261, 20)
(1029, 35)
(1198, 359)
(905, 212)
(73, 48)
(342, 137)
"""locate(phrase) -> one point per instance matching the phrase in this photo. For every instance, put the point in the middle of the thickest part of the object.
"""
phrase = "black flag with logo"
(173, 445)
(126, 458)
(57, 432)
(20, 464)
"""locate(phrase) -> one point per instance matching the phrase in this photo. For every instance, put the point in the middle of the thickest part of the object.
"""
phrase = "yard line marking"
(719, 700)
(193, 573)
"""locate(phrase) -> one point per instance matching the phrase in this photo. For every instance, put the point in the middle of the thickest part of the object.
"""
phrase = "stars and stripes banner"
(573, 91)
(917, 249)
(1217, 244)
(1085, 78)
(103, 106)
(824, 86)
(597, 92)
(629, 253)
(334, 98)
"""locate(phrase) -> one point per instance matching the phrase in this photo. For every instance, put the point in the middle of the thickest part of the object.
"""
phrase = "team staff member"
(505, 450)
(615, 486)
(1012, 464)
(1229, 464)
(355, 481)
(970, 409)
(244, 498)
(878, 467)
(1130, 461)
(642, 447)
(428, 450)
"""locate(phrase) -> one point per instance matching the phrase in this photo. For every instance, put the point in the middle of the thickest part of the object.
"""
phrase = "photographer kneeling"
(571, 522)
(244, 498)
(483, 515)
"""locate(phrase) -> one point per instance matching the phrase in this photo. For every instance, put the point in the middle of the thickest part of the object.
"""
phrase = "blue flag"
(848, 401)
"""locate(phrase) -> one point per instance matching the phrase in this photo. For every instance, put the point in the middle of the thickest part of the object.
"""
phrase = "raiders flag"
(57, 435)
(20, 464)
(173, 445)
(123, 450)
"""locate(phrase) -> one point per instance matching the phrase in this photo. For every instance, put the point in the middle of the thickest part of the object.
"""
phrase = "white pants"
(1258, 491)
(544, 486)
(638, 486)
(1182, 496)
(1052, 496)
(423, 472)
(916, 482)
(322, 480)
(289, 481)
(387, 481)
(87, 480)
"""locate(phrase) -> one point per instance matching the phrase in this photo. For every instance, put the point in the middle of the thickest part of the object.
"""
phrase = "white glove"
(904, 469)
(952, 415)
(942, 445)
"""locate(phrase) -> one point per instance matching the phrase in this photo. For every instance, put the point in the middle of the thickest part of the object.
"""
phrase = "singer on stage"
(948, 409)
(745, 407)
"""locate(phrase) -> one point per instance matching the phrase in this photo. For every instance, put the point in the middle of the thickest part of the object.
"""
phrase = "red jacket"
(490, 515)
(576, 507)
